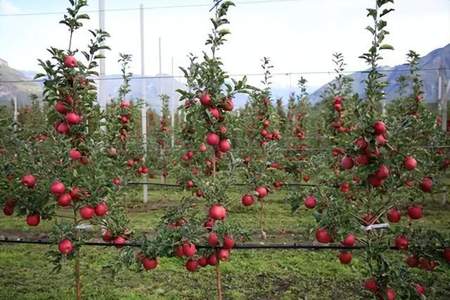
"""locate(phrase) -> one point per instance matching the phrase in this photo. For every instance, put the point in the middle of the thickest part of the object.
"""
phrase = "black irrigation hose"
(245, 246)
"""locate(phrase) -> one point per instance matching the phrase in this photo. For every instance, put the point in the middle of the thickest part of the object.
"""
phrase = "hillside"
(429, 64)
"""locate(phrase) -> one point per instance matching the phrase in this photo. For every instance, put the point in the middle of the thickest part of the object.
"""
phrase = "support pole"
(144, 100)
(101, 89)
(173, 107)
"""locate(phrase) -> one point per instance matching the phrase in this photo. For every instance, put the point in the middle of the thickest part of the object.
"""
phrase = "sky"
(298, 35)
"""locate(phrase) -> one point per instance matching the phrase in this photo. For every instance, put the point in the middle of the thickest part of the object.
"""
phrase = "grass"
(25, 271)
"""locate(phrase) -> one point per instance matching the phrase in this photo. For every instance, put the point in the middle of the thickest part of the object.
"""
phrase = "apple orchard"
(363, 169)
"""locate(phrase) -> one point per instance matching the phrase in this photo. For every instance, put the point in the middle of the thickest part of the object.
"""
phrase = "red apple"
(420, 289)
(224, 146)
(215, 113)
(213, 239)
(202, 147)
(261, 192)
(65, 246)
(394, 215)
(228, 242)
(217, 212)
(212, 139)
(390, 294)
(415, 212)
(33, 219)
(382, 172)
(379, 127)
(57, 188)
(191, 265)
(29, 181)
(205, 99)
(74, 154)
(345, 257)
(247, 200)
(62, 128)
(322, 236)
(120, 241)
(64, 200)
(70, 61)
(401, 242)
(371, 285)
(101, 209)
(310, 201)
(426, 184)
(149, 263)
(212, 260)
(410, 163)
(73, 118)
(61, 107)
(349, 240)
(87, 212)
(347, 163)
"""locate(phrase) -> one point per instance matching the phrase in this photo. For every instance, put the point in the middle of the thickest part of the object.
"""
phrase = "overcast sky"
(297, 35)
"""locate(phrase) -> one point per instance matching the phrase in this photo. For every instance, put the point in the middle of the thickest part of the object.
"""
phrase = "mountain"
(429, 66)
(13, 87)
(153, 88)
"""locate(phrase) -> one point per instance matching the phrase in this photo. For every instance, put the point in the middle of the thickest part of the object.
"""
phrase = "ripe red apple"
(215, 113)
(202, 147)
(345, 257)
(213, 239)
(143, 170)
(149, 263)
(446, 254)
(101, 209)
(64, 200)
(73, 118)
(8, 210)
(412, 261)
(62, 128)
(261, 191)
(228, 104)
(61, 107)
(224, 146)
(420, 289)
(70, 61)
(107, 235)
(347, 163)
(375, 181)
(228, 242)
(394, 215)
(74, 154)
(345, 187)
(33, 219)
(278, 184)
(349, 240)
(189, 184)
(361, 143)
(362, 160)
(223, 254)
(124, 104)
(379, 127)
(322, 236)
(179, 251)
(212, 139)
(205, 99)
(65, 246)
(191, 265)
(247, 200)
(426, 184)
(120, 241)
(410, 163)
(390, 294)
(382, 172)
(57, 188)
(189, 249)
(401, 242)
(87, 212)
(381, 140)
(117, 181)
(29, 181)
(202, 261)
(371, 285)
(310, 201)
(212, 260)
(217, 212)
(415, 212)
